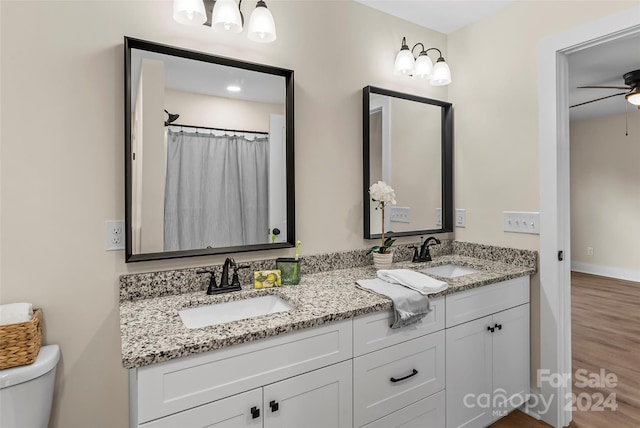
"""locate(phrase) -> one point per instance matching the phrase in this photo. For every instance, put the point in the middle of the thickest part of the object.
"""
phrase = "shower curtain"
(216, 192)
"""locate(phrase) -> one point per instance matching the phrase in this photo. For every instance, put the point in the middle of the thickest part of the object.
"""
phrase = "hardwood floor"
(605, 324)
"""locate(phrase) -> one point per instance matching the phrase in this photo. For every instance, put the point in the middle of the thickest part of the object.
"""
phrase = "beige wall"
(605, 192)
(416, 162)
(63, 171)
(494, 94)
(219, 112)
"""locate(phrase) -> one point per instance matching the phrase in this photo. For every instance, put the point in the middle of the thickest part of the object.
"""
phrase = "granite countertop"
(151, 329)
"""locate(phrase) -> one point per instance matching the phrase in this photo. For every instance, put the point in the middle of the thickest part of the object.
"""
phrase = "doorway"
(555, 250)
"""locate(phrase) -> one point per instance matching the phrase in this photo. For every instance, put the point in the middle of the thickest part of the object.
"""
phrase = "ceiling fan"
(632, 94)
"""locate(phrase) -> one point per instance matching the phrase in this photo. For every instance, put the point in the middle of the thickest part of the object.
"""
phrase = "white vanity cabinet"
(318, 399)
(472, 349)
(297, 371)
(487, 344)
(399, 374)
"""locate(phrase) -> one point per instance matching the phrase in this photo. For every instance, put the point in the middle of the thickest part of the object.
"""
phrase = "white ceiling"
(442, 16)
(602, 65)
(599, 65)
(199, 77)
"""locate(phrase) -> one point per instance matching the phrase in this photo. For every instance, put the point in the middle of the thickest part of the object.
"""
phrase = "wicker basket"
(20, 342)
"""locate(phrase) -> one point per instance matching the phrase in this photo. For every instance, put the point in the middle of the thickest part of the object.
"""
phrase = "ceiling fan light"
(441, 73)
(423, 66)
(262, 27)
(634, 97)
(189, 12)
(226, 17)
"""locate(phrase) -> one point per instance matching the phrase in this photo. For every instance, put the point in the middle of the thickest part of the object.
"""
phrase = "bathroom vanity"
(333, 360)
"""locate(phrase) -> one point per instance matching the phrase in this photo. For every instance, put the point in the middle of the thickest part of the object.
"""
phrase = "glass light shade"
(189, 12)
(441, 74)
(634, 97)
(424, 67)
(404, 64)
(262, 27)
(226, 17)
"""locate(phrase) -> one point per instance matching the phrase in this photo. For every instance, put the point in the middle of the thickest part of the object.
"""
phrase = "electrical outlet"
(461, 217)
(114, 238)
(438, 216)
(521, 222)
(589, 251)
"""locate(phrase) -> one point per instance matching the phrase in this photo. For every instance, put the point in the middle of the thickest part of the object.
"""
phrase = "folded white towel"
(415, 280)
(409, 306)
(12, 313)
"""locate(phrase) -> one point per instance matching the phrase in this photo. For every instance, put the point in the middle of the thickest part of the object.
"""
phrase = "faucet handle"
(235, 281)
(212, 280)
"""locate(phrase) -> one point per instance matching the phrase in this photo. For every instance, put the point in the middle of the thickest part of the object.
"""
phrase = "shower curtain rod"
(241, 131)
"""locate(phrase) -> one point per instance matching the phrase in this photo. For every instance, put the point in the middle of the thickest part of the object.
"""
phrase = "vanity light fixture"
(262, 27)
(422, 67)
(234, 88)
(189, 12)
(226, 16)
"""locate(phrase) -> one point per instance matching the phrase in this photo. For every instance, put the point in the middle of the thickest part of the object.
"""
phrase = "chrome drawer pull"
(413, 373)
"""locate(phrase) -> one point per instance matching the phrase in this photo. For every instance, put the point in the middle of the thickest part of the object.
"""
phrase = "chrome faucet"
(424, 255)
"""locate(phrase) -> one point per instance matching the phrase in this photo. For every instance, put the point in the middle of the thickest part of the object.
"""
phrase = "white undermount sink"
(449, 271)
(221, 313)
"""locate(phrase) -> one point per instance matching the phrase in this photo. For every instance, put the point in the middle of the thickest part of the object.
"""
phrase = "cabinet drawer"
(479, 302)
(374, 393)
(183, 383)
(426, 413)
(372, 332)
(232, 412)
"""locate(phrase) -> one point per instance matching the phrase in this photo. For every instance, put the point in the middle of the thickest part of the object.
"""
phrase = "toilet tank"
(26, 392)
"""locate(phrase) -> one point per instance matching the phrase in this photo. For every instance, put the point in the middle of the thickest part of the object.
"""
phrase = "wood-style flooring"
(605, 324)
(605, 332)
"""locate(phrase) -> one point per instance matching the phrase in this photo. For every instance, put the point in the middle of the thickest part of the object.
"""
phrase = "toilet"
(26, 392)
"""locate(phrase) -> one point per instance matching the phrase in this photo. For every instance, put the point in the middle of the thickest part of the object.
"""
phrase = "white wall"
(605, 195)
(63, 158)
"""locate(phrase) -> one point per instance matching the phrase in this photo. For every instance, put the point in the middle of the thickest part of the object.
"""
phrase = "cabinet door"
(469, 374)
(510, 359)
(318, 399)
(232, 412)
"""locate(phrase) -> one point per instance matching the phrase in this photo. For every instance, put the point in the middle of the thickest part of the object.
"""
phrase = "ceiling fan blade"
(625, 88)
(597, 99)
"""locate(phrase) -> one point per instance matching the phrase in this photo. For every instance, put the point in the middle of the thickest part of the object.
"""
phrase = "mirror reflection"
(407, 145)
(209, 143)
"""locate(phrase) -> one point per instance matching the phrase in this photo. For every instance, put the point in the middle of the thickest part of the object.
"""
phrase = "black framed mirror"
(408, 144)
(209, 154)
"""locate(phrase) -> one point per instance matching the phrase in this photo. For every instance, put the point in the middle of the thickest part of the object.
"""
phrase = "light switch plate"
(461, 217)
(400, 214)
(522, 222)
(438, 216)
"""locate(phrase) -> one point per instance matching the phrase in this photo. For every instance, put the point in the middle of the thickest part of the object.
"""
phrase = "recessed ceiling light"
(234, 88)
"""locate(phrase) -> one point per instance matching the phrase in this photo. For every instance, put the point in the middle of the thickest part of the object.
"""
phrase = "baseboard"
(612, 272)
(531, 412)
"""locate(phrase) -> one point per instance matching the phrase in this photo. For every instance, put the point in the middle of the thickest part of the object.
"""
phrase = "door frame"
(553, 140)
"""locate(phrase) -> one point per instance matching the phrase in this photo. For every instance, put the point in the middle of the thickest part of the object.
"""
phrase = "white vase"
(382, 261)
